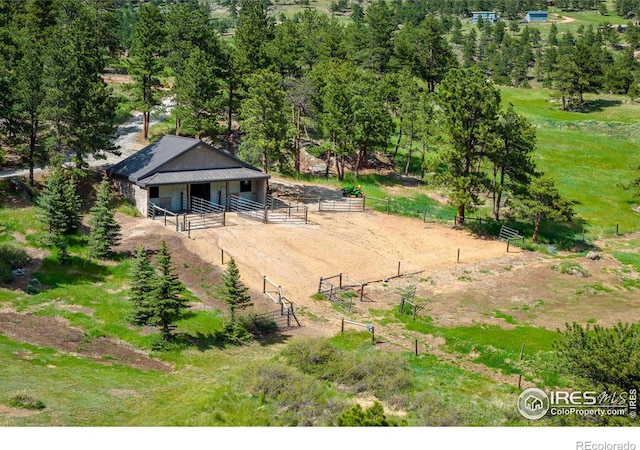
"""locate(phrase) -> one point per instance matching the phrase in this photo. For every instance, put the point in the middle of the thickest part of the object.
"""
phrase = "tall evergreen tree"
(542, 200)
(232, 291)
(167, 300)
(28, 109)
(264, 120)
(142, 278)
(60, 204)
(425, 50)
(145, 62)
(198, 95)
(469, 105)
(510, 155)
(253, 33)
(105, 231)
(81, 106)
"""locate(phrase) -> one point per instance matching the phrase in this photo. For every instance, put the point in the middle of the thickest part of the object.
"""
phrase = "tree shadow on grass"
(569, 236)
(598, 105)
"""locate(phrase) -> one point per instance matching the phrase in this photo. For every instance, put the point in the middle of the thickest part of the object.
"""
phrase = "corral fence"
(286, 315)
(408, 302)
(276, 211)
(203, 214)
(169, 217)
(509, 234)
(342, 204)
(342, 290)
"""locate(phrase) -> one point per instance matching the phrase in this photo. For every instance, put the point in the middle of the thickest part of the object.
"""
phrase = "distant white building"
(487, 16)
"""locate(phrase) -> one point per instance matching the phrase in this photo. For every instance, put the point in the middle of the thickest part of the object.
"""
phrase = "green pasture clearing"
(590, 154)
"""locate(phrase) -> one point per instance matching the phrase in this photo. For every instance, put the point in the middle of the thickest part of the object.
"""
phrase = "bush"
(14, 254)
(571, 268)
(384, 374)
(5, 272)
(26, 401)
(300, 399)
(258, 325)
(312, 355)
(236, 333)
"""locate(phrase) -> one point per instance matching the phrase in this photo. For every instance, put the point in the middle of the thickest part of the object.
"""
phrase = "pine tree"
(143, 279)
(60, 204)
(232, 291)
(145, 63)
(78, 102)
(105, 231)
(167, 302)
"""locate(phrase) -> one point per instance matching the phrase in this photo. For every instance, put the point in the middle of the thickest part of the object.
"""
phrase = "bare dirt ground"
(55, 333)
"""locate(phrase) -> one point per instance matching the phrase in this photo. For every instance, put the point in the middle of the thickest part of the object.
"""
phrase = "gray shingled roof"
(141, 167)
(202, 176)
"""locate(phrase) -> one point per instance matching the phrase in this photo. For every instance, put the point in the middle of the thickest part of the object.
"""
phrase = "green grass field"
(590, 154)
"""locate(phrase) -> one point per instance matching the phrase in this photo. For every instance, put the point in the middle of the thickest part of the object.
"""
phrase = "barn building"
(175, 170)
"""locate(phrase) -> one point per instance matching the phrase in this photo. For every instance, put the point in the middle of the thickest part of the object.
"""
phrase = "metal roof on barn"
(151, 165)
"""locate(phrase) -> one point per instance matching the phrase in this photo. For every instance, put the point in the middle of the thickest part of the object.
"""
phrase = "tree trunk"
(536, 228)
(424, 150)
(406, 169)
(177, 126)
(564, 103)
(145, 125)
(498, 195)
(395, 151)
(230, 109)
(460, 218)
(265, 161)
(297, 141)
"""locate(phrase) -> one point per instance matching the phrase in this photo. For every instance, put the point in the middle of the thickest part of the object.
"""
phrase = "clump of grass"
(571, 268)
(507, 318)
(319, 296)
(26, 400)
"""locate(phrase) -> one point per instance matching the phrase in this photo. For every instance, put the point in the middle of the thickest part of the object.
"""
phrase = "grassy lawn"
(590, 154)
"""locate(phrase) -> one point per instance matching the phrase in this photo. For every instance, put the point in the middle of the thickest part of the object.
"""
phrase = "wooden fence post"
(373, 335)
(458, 260)
(264, 284)
(340, 281)
(399, 267)
(189, 229)
(361, 292)
(342, 329)
(416, 347)
(508, 242)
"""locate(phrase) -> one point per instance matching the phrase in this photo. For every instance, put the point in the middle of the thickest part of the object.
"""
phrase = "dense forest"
(354, 82)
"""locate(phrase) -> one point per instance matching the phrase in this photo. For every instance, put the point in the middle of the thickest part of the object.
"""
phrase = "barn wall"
(199, 157)
(135, 194)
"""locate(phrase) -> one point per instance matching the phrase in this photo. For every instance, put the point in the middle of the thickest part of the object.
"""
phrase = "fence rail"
(154, 211)
(345, 204)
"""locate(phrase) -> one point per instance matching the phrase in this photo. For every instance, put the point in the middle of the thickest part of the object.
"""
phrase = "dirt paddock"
(365, 246)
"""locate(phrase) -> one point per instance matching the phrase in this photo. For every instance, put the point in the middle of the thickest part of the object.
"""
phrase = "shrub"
(384, 374)
(235, 333)
(258, 325)
(571, 268)
(25, 400)
(14, 254)
(312, 355)
(5, 272)
(300, 399)
(373, 416)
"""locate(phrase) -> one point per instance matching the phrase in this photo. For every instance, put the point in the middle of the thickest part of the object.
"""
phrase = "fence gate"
(342, 204)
